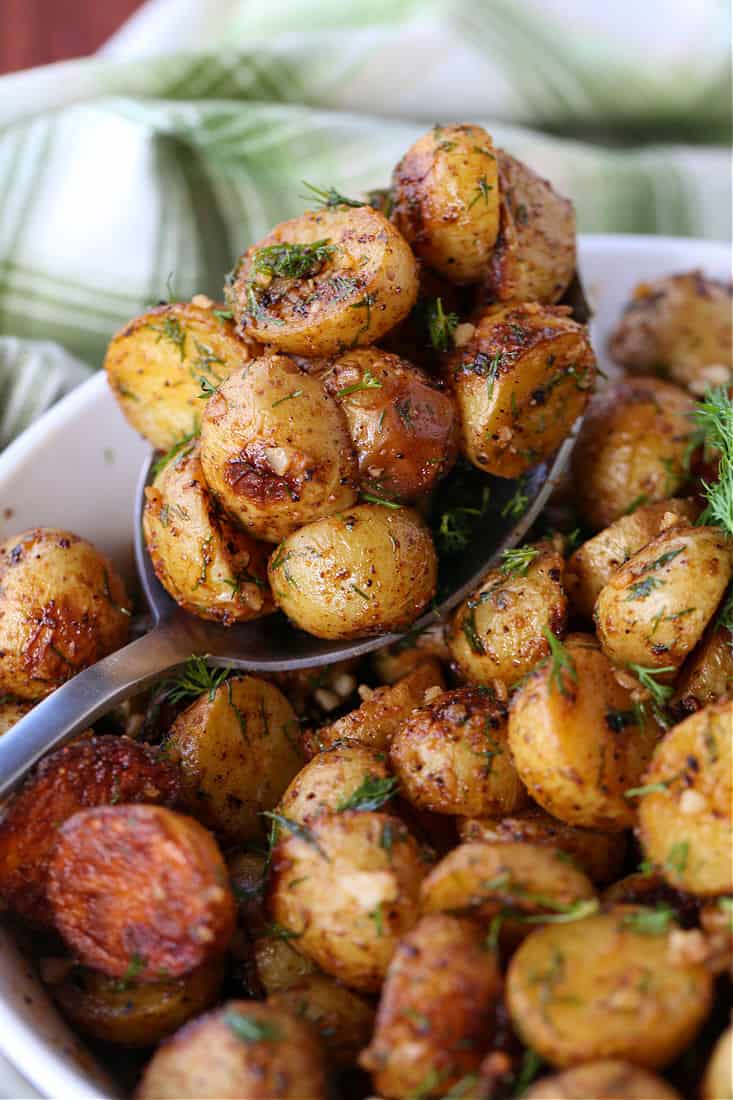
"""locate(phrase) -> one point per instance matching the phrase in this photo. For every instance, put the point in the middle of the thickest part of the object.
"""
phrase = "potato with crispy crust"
(275, 449)
(325, 281)
(344, 775)
(707, 675)
(91, 772)
(436, 1011)
(277, 963)
(365, 571)
(685, 815)
(161, 365)
(348, 890)
(395, 661)
(241, 1049)
(601, 988)
(140, 888)
(520, 383)
(207, 564)
(605, 1080)
(632, 448)
(717, 1084)
(343, 1019)
(446, 200)
(402, 424)
(451, 755)
(237, 750)
(63, 607)
(11, 712)
(499, 632)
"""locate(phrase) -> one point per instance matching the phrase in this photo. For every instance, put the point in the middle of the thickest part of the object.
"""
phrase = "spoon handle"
(79, 702)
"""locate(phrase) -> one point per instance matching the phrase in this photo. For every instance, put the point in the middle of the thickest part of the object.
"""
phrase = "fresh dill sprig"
(650, 922)
(250, 1030)
(368, 381)
(725, 614)
(441, 325)
(560, 661)
(171, 330)
(294, 827)
(182, 446)
(292, 261)
(482, 192)
(660, 693)
(329, 196)
(457, 525)
(714, 418)
(516, 506)
(370, 795)
(516, 562)
(195, 679)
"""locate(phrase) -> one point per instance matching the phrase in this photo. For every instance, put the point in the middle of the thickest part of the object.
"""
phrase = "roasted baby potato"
(577, 739)
(520, 382)
(654, 609)
(717, 1084)
(395, 661)
(500, 632)
(446, 200)
(678, 327)
(241, 1049)
(402, 425)
(349, 891)
(368, 570)
(63, 607)
(632, 448)
(707, 675)
(237, 750)
(278, 964)
(436, 1010)
(326, 281)
(275, 449)
(685, 814)
(342, 1018)
(347, 775)
(451, 755)
(599, 988)
(140, 889)
(207, 564)
(11, 712)
(90, 772)
(605, 1080)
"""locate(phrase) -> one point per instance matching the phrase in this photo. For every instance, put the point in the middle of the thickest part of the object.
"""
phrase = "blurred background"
(37, 32)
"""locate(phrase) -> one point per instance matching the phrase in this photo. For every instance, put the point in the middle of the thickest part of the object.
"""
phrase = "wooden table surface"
(36, 32)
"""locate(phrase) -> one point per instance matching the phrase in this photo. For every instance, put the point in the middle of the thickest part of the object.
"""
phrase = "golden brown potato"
(349, 890)
(339, 778)
(654, 609)
(63, 607)
(395, 661)
(275, 449)
(685, 814)
(593, 564)
(606, 1080)
(326, 281)
(499, 633)
(91, 772)
(278, 964)
(451, 756)
(717, 1084)
(577, 739)
(678, 327)
(707, 675)
(520, 382)
(243, 1049)
(11, 712)
(436, 1010)
(140, 889)
(209, 566)
(600, 988)
(599, 855)
(368, 570)
(632, 448)
(446, 200)
(534, 257)
(343, 1019)
(136, 1014)
(402, 424)
(237, 751)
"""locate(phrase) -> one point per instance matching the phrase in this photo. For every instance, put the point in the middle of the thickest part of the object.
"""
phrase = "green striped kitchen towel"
(141, 173)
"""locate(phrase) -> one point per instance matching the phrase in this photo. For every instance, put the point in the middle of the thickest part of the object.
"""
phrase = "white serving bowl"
(77, 468)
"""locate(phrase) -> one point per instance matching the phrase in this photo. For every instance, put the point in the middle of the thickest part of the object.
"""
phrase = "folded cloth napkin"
(141, 173)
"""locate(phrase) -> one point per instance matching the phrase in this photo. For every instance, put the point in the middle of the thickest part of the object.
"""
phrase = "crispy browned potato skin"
(136, 1014)
(368, 570)
(520, 383)
(597, 988)
(275, 449)
(604, 1080)
(156, 364)
(11, 712)
(141, 887)
(330, 778)
(207, 564)
(237, 752)
(208, 1060)
(707, 675)
(352, 897)
(366, 286)
(379, 717)
(571, 757)
(679, 327)
(63, 606)
(451, 756)
(395, 661)
(685, 828)
(343, 1019)
(599, 855)
(402, 424)
(91, 772)
(593, 564)
(278, 964)
(435, 1013)
(498, 632)
(446, 200)
(717, 1084)
(632, 448)
(655, 608)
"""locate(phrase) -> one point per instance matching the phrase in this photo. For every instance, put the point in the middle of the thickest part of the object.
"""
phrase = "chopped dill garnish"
(294, 827)
(194, 679)
(650, 922)
(250, 1030)
(181, 447)
(171, 329)
(560, 661)
(287, 397)
(371, 794)
(368, 381)
(441, 325)
(516, 506)
(516, 562)
(482, 193)
(329, 196)
(292, 261)
(714, 417)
